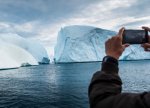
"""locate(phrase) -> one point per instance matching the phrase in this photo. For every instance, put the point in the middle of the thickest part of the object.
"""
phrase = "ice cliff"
(86, 44)
(16, 51)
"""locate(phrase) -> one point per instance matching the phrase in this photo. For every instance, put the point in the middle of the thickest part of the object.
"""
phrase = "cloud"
(21, 11)
(135, 22)
(140, 8)
(42, 19)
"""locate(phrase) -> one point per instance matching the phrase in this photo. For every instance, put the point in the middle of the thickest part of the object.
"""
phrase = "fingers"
(147, 49)
(146, 28)
(146, 46)
(126, 45)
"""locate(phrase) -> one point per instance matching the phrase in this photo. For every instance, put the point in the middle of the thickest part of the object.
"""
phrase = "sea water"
(63, 85)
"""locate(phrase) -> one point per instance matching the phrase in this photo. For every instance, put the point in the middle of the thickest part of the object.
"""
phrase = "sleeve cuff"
(110, 67)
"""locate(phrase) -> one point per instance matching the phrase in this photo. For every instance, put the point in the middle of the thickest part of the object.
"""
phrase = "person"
(106, 85)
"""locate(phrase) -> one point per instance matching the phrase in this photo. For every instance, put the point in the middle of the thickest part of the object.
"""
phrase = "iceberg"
(13, 56)
(8, 62)
(17, 51)
(86, 43)
(34, 48)
(135, 52)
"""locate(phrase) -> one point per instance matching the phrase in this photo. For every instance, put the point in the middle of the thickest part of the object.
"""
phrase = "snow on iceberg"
(36, 50)
(13, 56)
(86, 44)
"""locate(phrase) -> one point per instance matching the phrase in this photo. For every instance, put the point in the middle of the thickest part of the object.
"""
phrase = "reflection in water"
(63, 85)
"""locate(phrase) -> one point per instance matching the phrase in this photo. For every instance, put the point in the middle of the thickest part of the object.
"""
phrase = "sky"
(41, 20)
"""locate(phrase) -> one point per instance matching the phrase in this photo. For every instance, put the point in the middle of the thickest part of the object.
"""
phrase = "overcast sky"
(42, 19)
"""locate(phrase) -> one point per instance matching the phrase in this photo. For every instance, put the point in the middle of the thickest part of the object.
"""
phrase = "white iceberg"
(13, 56)
(8, 62)
(86, 44)
(34, 48)
(135, 52)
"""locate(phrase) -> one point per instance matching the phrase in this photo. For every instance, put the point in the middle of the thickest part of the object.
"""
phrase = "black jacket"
(105, 91)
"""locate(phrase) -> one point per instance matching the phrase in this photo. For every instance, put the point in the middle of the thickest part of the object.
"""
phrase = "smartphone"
(135, 36)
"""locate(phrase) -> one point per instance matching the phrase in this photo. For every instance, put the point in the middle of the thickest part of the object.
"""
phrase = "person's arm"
(105, 84)
(105, 87)
(105, 90)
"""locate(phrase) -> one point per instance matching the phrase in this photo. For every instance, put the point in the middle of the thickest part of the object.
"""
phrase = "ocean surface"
(63, 85)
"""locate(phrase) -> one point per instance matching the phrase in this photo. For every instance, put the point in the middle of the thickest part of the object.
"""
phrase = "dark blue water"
(63, 85)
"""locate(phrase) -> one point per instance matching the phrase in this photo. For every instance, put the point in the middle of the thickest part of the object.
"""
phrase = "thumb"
(121, 33)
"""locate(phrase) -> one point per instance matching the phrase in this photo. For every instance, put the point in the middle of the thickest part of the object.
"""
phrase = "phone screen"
(135, 36)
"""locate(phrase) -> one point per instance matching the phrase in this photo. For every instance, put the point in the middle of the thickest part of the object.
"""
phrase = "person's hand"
(114, 46)
(146, 46)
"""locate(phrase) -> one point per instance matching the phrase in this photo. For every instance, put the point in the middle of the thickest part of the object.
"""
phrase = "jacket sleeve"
(105, 91)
